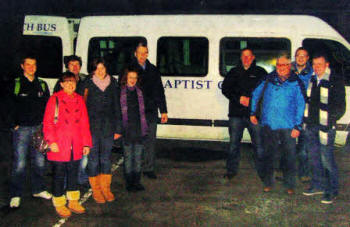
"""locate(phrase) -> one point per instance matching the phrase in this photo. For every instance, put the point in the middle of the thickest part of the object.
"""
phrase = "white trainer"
(15, 202)
(43, 194)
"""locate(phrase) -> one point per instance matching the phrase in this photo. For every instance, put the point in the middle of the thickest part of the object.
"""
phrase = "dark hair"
(320, 55)
(124, 78)
(97, 61)
(302, 48)
(283, 54)
(246, 48)
(69, 58)
(27, 56)
(141, 43)
(66, 75)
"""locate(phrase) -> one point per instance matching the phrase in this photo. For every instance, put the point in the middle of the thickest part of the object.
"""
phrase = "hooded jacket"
(240, 82)
(283, 102)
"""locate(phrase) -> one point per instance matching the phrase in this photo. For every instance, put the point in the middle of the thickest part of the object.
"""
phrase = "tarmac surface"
(190, 191)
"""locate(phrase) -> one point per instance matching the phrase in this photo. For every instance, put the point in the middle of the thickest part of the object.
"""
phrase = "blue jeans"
(324, 168)
(277, 141)
(22, 139)
(99, 158)
(132, 158)
(150, 153)
(83, 178)
(302, 156)
(236, 128)
(64, 172)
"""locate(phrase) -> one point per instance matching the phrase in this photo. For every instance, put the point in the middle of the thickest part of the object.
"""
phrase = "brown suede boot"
(60, 205)
(96, 190)
(73, 204)
(105, 182)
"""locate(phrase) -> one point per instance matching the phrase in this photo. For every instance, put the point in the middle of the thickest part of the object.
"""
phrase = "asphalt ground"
(191, 191)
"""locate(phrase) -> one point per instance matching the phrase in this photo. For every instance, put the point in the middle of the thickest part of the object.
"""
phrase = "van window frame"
(241, 38)
(185, 74)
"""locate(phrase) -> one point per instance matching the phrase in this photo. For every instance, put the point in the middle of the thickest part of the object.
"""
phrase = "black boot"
(130, 187)
(137, 178)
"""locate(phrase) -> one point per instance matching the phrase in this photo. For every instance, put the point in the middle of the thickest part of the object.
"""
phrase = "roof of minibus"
(205, 24)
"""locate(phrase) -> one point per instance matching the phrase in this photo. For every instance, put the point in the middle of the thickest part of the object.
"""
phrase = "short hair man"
(73, 64)
(30, 97)
(281, 118)
(154, 98)
(325, 105)
(303, 69)
(237, 87)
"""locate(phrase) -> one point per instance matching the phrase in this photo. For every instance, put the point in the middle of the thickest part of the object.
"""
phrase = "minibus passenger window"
(338, 55)
(265, 51)
(182, 56)
(117, 51)
(47, 50)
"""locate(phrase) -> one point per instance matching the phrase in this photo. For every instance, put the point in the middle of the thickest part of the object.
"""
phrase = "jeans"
(22, 138)
(277, 141)
(324, 168)
(83, 178)
(132, 158)
(302, 156)
(150, 153)
(99, 158)
(64, 171)
(236, 128)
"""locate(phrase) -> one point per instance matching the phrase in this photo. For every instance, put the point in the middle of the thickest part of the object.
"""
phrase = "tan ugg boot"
(60, 205)
(96, 190)
(105, 182)
(73, 202)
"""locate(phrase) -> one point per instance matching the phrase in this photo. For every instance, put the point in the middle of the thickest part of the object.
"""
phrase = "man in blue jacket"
(282, 106)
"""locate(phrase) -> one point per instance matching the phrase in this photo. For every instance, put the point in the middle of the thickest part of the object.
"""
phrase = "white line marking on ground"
(88, 194)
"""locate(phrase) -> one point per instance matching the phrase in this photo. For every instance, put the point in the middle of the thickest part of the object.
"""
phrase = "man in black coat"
(237, 86)
(154, 99)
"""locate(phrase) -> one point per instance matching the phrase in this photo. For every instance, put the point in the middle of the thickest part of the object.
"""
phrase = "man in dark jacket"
(237, 87)
(325, 105)
(154, 99)
(30, 97)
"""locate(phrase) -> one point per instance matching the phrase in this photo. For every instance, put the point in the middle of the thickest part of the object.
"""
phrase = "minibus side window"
(116, 51)
(338, 55)
(182, 56)
(265, 50)
(48, 52)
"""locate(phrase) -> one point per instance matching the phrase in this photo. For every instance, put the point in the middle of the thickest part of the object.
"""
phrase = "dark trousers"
(99, 159)
(22, 139)
(236, 128)
(62, 171)
(324, 167)
(132, 158)
(149, 161)
(277, 141)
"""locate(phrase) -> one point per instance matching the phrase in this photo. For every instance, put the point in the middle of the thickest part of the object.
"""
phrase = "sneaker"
(313, 191)
(15, 202)
(327, 198)
(43, 194)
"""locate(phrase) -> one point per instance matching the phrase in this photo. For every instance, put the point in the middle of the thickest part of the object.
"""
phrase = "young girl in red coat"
(134, 128)
(69, 139)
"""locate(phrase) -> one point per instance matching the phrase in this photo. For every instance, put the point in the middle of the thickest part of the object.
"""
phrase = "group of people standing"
(296, 101)
(81, 121)
(87, 113)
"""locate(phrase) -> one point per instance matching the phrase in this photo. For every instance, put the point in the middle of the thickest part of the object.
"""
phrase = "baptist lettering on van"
(191, 84)
(39, 27)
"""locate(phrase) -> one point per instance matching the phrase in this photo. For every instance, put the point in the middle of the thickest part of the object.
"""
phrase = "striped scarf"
(124, 106)
(323, 112)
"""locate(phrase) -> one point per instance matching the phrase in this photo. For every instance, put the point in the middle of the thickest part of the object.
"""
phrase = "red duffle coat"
(72, 130)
